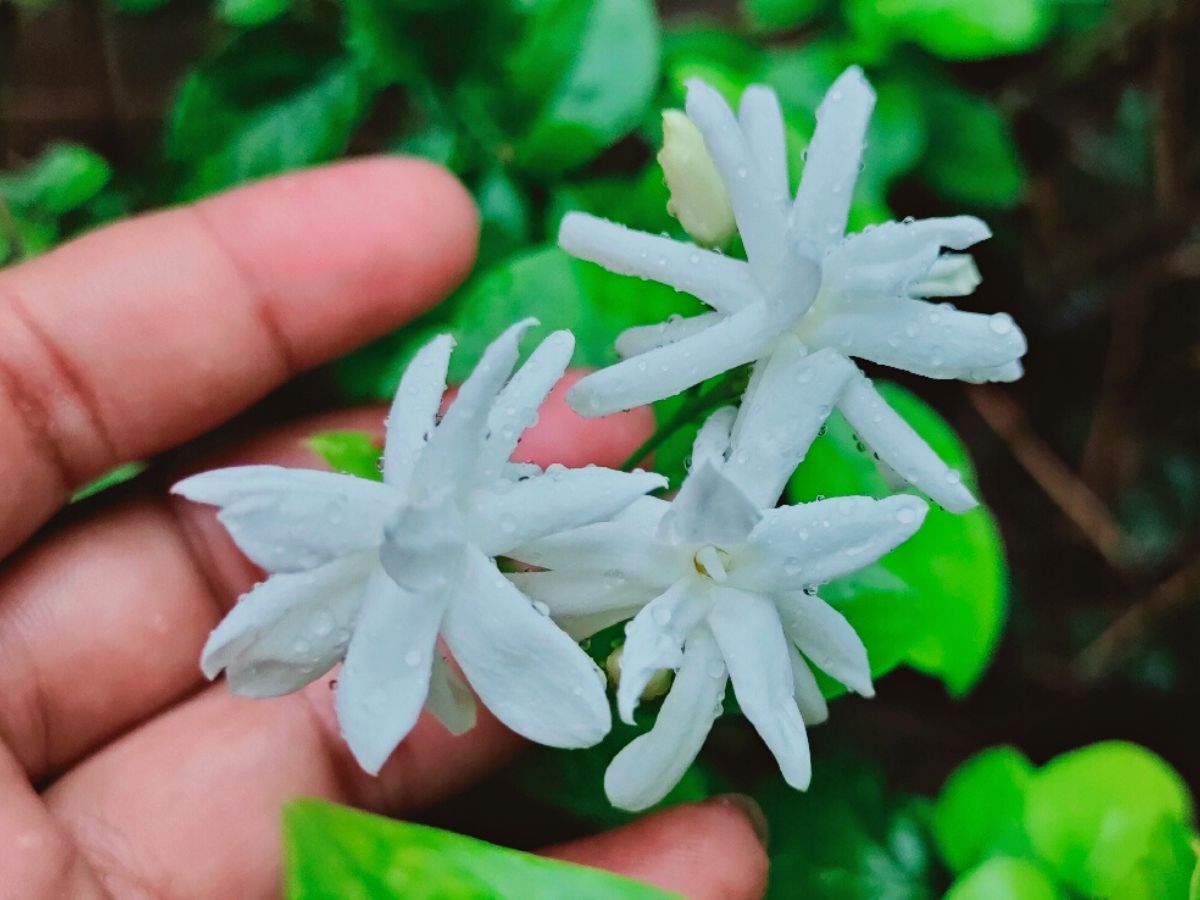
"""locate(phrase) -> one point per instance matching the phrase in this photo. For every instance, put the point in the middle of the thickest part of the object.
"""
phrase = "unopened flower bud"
(698, 197)
(656, 687)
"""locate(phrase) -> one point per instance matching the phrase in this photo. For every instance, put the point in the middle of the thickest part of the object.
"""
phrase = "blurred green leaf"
(276, 98)
(138, 7)
(638, 202)
(504, 216)
(846, 838)
(978, 813)
(971, 156)
(1097, 816)
(251, 13)
(954, 566)
(956, 29)
(351, 452)
(1005, 878)
(336, 852)
(778, 15)
(62, 179)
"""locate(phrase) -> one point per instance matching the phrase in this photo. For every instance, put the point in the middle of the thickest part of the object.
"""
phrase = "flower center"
(712, 561)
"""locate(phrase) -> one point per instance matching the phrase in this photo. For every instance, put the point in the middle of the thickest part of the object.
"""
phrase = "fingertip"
(563, 436)
(704, 851)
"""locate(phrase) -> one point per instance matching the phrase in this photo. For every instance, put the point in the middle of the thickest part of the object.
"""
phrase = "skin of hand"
(122, 772)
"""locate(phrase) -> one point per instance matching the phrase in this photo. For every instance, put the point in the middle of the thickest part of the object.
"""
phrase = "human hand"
(121, 772)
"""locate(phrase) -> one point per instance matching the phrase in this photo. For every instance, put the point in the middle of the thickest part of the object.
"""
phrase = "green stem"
(692, 409)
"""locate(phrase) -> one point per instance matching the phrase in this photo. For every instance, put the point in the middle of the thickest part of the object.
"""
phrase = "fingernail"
(749, 808)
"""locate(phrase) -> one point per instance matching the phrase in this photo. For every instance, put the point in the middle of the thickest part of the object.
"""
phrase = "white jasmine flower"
(721, 585)
(375, 573)
(841, 296)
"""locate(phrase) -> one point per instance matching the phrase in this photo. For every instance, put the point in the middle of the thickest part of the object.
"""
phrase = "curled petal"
(753, 645)
(414, 409)
(385, 681)
(289, 630)
(528, 672)
(809, 699)
(712, 440)
(720, 281)
(651, 764)
(291, 520)
(951, 275)
(900, 447)
(825, 637)
(450, 700)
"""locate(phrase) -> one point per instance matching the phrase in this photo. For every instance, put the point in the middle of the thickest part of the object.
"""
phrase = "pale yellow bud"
(659, 683)
(698, 197)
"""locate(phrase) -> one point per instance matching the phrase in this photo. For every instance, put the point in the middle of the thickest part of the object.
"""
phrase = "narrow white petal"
(643, 338)
(452, 452)
(709, 508)
(414, 409)
(731, 342)
(654, 639)
(289, 630)
(571, 593)
(423, 544)
(952, 275)
(900, 447)
(289, 520)
(450, 700)
(512, 514)
(761, 222)
(831, 166)
(385, 680)
(893, 241)
(809, 699)
(777, 424)
(528, 672)
(720, 281)
(584, 626)
(752, 642)
(516, 407)
(813, 543)
(923, 338)
(712, 440)
(762, 123)
(825, 637)
(650, 765)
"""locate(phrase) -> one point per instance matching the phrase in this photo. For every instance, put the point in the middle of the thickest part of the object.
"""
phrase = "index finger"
(139, 336)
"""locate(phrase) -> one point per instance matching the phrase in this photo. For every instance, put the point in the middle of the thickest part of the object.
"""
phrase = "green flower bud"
(656, 687)
(698, 197)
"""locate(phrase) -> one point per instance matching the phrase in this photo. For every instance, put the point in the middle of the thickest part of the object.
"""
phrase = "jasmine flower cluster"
(398, 580)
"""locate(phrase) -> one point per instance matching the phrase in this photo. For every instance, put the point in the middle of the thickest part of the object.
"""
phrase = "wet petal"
(753, 645)
(762, 124)
(809, 699)
(512, 514)
(414, 409)
(951, 275)
(450, 700)
(825, 637)
(812, 543)
(780, 419)
(722, 282)
(643, 338)
(528, 672)
(709, 508)
(654, 639)
(831, 166)
(882, 429)
(572, 594)
(516, 407)
(729, 343)
(289, 630)
(290, 520)
(651, 764)
(712, 440)
(385, 680)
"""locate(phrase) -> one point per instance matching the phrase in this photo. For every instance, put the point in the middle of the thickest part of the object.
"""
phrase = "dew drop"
(1000, 323)
(906, 515)
(412, 658)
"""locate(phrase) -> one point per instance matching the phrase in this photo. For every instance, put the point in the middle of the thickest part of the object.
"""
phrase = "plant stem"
(700, 403)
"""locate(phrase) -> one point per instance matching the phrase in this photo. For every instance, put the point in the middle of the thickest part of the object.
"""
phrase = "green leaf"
(504, 216)
(251, 13)
(1096, 814)
(979, 811)
(276, 98)
(847, 837)
(954, 566)
(777, 15)
(138, 7)
(119, 475)
(335, 852)
(956, 29)
(639, 202)
(352, 452)
(971, 157)
(62, 179)
(1005, 878)
(600, 95)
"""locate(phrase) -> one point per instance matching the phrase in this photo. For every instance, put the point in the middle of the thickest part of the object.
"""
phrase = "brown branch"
(1101, 656)
(1068, 492)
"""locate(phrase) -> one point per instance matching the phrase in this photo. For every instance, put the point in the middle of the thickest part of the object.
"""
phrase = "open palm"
(122, 773)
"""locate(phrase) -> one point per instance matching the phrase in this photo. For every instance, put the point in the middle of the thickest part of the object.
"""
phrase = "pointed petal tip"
(582, 398)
